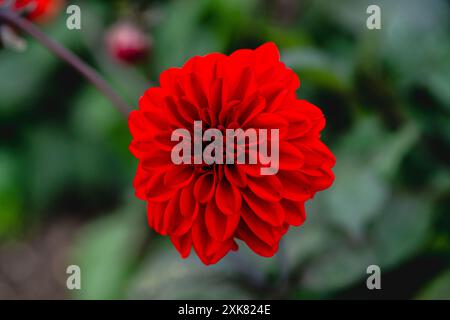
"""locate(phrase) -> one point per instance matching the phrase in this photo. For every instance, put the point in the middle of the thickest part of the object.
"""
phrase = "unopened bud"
(127, 43)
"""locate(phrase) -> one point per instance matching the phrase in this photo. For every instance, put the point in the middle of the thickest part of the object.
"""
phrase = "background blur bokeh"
(66, 172)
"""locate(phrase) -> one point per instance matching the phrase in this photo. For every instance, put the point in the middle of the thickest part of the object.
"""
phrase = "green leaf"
(362, 143)
(437, 82)
(395, 147)
(101, 142)
(397, 234)
(180, 35)
(356, 197)
(318, 68)
(309, 240)
(93, 116)
(366, 158)
(165, 275)
(421, 25)
(51, 165)
(438, 289)
(22, 75)
(402, 228)
(358, 192)
(106, 250)
(10, 195)
(341, 266)
(23, 72)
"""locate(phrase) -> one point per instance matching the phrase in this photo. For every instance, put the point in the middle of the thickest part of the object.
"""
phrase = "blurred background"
(66, 173)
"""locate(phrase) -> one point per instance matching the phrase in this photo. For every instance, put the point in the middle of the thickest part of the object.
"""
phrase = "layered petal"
(208, 205)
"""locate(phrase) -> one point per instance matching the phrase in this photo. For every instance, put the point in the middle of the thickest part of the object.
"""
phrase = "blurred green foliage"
(386, 97)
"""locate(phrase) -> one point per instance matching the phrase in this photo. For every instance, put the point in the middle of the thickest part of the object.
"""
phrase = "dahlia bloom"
(209, 207)
(41, 10)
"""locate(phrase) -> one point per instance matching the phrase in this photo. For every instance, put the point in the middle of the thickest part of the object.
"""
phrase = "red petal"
(244, 85)
(140, 182)
(155, 158)
(204, 188)
(183, 244)
(228, 197)
(278, 101)
(290, 157)
(188, 110)
(295, 212)
(220, 226)
(268, 121)
(215, 96)
(247, 110)
(258, 246)
(266, 187)
(196, 91)
(271, 212)
(157, 191)
(208, 250)
(179, 176)
(295, 185)
(174, 115)
(153, 98)
(174, 222)
(261, 229)
(155, 216)
(235, 175)
(188, 205)
(222, 250)
(314, 114)
(253, 170)
(170, 80)
(267, 54)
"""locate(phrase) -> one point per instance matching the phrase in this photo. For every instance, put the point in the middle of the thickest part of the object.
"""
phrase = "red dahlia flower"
(210, 206)
(40, 10)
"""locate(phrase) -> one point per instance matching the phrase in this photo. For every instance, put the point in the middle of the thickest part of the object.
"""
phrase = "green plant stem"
(14, 20)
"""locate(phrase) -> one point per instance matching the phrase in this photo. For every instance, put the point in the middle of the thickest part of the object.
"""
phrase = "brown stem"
(88, 72)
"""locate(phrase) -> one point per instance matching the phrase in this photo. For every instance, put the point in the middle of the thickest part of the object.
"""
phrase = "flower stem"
(60, 51)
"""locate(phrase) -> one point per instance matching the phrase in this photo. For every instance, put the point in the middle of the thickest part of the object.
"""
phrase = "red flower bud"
(127, 43)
